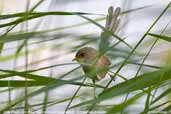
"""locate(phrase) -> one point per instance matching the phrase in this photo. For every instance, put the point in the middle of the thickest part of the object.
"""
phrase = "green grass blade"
(160, 105)
(166, 38)
(20, 36)
(165, 93)
(147, 104)
(21, 83)
(31, 16)
(43, 89)
(134, 84)
(40, 14)
(121, 106)
(40, 78)
(106, 31)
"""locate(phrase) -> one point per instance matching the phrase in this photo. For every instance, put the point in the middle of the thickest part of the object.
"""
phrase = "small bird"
(94, 66)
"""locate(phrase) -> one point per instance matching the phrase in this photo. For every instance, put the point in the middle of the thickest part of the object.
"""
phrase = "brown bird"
(95, 66)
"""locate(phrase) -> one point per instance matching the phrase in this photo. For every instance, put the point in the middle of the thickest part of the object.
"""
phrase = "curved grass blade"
(22, 98)
(40, 14)
(105, 30)
(45, 79)
(141, 82)
(37, 15)
(49, 86)
(7, 16)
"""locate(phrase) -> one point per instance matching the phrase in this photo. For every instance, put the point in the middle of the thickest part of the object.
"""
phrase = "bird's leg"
(94, 88)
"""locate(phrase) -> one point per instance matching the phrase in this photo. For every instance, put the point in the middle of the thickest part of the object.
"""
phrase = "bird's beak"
(74, 59)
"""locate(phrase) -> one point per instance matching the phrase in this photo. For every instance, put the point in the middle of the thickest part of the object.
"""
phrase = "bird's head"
(86, 55)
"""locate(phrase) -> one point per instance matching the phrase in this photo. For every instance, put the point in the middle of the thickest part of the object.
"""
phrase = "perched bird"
(94, 66)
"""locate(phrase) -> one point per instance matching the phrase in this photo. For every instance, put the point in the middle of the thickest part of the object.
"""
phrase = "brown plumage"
(93, 66)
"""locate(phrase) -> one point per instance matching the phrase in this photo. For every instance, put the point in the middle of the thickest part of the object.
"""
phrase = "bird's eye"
(81, 55)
